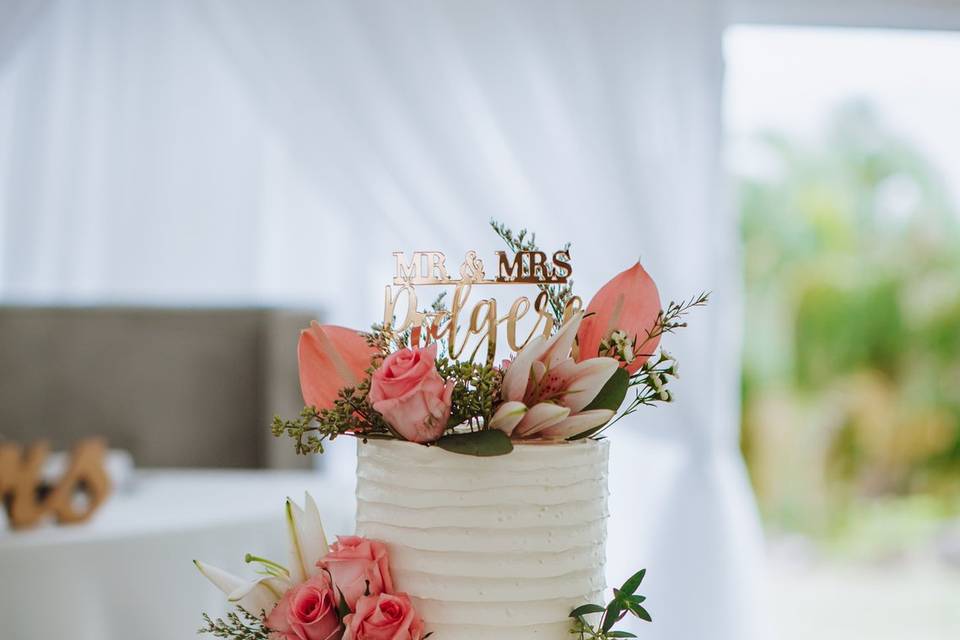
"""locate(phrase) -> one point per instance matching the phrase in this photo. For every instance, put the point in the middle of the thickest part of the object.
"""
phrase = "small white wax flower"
(657, 384)
(618, 345)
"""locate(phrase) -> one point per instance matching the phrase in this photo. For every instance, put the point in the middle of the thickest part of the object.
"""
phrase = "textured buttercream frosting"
(496, 548)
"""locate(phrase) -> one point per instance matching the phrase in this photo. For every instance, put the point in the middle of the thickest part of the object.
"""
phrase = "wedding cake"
(497, 548)
(481, 485)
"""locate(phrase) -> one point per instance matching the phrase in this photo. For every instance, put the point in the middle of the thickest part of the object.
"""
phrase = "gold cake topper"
(526, 267)
(444, 324)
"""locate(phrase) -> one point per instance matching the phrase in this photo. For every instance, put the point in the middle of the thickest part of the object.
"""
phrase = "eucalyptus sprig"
(385, 340)
(239, 625)
(625, 600)
(352, 414)
(476, 391)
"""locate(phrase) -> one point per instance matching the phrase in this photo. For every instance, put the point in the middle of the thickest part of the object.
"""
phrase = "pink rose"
(307, 611)
(353, 562)
(410, 394)
(384, 617)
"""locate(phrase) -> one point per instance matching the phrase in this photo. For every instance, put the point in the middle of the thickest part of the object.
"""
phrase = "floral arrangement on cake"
(567, 382)
(578, 372)
(338, 592)
(345, 591)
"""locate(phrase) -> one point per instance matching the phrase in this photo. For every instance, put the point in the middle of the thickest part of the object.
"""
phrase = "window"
(845, 149)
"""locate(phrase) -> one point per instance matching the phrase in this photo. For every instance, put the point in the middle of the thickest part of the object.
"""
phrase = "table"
(128, 572)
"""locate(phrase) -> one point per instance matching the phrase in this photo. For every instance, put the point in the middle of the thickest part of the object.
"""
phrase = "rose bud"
(627, 306)
(358, 567)
(410, 394)
(384, 617)
(331, 358)
(307, 611)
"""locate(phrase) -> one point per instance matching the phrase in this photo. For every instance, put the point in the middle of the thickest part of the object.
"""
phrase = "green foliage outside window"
(852, 371)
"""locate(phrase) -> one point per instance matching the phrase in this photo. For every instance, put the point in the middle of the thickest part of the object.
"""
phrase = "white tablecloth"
(128, 575)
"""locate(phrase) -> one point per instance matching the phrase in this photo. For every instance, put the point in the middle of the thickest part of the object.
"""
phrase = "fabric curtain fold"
(124, 139)
(286, 149)
(17, 20)
(597, 122)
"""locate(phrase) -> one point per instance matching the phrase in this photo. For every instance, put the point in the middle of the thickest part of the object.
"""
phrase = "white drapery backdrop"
(235, 150)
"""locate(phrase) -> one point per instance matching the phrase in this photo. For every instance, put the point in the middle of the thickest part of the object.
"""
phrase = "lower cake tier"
(489, 548)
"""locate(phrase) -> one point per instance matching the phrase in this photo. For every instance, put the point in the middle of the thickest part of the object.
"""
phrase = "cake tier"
(489, 548)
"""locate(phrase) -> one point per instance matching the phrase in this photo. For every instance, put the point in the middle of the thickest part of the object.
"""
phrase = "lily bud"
(331, 358)
(629, 303)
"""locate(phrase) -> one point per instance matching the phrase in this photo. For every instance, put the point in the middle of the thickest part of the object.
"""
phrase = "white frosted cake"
(498, 548)
(481, 481)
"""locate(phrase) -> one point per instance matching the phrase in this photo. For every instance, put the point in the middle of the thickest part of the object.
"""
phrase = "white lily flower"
(508, 416)
(546, 392)
(308, 545)
(253, 595)
(260, 595)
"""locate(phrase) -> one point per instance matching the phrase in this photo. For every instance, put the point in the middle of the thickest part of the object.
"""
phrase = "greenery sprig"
(239, 625)
(650, 385)
(651, 381)
(352, 414)
(476, 392)
(625, 600)
(671, 318)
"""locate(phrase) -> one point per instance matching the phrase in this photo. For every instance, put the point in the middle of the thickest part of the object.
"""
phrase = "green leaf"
(630, 586)
(641, 613)
(586, 609)
(620, 634)
(613, 392)
(343, 608)
(610, 397)
(615, 612)
(489, 442)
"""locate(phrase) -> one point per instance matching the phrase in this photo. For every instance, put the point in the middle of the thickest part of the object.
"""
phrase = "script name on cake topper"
(459, 327)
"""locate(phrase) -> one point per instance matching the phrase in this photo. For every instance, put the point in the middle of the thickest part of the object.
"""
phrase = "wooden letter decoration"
(74, 497)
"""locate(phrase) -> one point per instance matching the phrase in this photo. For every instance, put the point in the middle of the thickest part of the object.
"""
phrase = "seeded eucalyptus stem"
(475, 394)
(239, 625)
